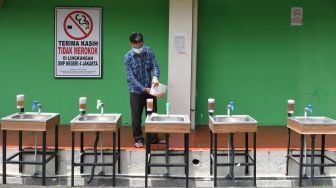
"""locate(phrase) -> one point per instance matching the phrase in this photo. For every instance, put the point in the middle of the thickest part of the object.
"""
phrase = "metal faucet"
(230, 107)
(100, 105)
(37, 106)
(308, 109)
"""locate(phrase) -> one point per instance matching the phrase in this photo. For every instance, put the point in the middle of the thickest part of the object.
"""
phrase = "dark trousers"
(138, 103)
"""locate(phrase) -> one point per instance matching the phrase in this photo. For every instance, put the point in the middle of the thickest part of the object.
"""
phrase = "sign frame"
(78, 42)
(296, 16)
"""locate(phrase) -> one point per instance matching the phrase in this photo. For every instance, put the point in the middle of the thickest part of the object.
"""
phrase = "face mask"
(137, 50)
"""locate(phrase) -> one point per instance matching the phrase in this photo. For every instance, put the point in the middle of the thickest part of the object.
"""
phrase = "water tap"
(167, 108)
(37, 106)
(308, 109)
(230, 108)
(100, 105)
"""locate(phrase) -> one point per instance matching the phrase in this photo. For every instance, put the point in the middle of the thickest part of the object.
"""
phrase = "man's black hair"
(136, 37)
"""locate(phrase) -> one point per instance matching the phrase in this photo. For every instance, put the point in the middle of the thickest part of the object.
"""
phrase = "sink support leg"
(114, 158)
(186, 150)
(167, 152)
(35, 154)
(322, 153)
(312, 156)
(211, 153)
(255, 159)
(20, 151)
(215, 160)
(4, 157)
(72, 158)
(81, 168)
(119, 171)
(232, 162)
(147, 158)
(56, 149)
(246, 154)
(301, 159)
(44, 143)
(288, 150)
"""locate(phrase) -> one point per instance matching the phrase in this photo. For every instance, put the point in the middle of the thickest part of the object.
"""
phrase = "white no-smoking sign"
(78, 42)
(296, 16)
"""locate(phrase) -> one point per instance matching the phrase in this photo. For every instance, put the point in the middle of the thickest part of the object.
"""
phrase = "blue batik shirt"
(139, 70)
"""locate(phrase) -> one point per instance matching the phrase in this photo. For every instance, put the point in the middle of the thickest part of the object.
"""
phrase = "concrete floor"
(168, 182)
(271, 152)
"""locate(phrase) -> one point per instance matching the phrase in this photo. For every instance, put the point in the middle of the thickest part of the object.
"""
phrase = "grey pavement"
(106, 181)
(271, 168)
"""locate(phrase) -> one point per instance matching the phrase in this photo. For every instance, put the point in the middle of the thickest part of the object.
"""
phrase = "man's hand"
(155, 81)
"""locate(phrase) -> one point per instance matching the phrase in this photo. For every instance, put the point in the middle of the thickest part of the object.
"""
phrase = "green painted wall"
(27, 54)
(249, 53)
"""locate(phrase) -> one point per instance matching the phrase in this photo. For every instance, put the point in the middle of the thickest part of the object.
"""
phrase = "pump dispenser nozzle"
(82, 105)
(20, 102)
(290, 109)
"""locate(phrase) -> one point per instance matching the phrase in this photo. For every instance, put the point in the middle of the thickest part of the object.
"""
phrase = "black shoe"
(139, 143)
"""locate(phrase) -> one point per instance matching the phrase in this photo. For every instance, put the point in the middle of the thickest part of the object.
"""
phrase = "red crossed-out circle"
(84, 31)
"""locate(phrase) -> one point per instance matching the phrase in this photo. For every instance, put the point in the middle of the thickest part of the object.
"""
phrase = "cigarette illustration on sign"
(78, 25)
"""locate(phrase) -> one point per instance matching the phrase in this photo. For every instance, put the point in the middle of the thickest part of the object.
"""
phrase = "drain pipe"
(95, 157)
(167, 153)
(305, 155)
(228, 151)
(101, 173)
(38, 106)
(35, 154)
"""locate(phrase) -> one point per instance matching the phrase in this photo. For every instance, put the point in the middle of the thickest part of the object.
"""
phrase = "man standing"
(140, 64)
